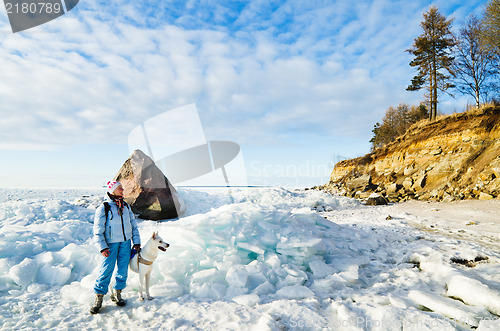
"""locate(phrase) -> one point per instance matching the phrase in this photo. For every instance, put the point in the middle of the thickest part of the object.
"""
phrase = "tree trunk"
(430, 97)
(431, 92)
(434, 94)
(477, 86)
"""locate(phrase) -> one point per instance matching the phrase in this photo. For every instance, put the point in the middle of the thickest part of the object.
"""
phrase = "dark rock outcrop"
(147, 190)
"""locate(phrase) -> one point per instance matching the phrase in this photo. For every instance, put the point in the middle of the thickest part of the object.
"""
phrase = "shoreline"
(471, 220)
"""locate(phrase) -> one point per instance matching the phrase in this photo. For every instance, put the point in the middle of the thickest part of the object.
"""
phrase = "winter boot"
(97, 303)
(116, 296)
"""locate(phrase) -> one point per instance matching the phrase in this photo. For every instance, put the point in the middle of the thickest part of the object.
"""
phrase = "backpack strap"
(107, 209)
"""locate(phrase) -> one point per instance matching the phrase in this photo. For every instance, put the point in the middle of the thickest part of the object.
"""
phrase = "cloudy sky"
(297, 84)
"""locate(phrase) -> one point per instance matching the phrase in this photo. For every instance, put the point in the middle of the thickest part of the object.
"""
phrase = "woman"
(114, 227)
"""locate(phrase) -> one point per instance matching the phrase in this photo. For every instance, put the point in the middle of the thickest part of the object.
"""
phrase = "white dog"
(142, 262)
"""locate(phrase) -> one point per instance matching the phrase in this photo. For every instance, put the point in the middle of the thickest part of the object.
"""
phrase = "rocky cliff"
(455, 157)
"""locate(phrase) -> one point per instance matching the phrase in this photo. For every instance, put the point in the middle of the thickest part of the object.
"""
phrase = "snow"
(473, 292)
(473, 220)
(257, 259)
(320, 269)
(24, 273)
(295, 292)
(446, 307)
(247, 299)
(237, 276)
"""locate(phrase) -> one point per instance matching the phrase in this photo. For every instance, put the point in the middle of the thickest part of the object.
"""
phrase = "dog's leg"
(141, 284)
(147, 286)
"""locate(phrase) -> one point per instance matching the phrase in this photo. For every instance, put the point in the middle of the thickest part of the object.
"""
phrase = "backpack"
(107, 209)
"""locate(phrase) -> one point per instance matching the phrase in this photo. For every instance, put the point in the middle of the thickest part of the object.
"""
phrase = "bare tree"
(491, 27)
(395, 123)
(473, 67)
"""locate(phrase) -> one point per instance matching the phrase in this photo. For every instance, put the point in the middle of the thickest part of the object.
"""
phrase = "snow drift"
(248, 258)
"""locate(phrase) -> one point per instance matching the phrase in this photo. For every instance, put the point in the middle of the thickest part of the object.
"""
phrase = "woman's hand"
(137, 247)
(105, 252)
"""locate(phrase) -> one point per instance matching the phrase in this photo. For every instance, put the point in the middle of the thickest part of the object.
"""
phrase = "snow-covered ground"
(472, 220)
(256, 259)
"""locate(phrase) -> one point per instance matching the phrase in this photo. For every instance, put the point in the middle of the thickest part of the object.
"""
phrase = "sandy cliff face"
(455, 157)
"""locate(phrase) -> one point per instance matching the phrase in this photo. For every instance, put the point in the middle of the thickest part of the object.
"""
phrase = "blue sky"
(298, 84)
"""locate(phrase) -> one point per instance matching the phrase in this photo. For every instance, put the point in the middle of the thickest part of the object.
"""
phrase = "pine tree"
(432, 51)
(474, 66)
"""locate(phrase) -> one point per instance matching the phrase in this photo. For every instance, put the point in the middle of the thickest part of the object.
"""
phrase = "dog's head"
(159, 242)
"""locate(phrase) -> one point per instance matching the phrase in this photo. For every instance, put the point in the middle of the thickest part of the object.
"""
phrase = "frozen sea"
(257, 259)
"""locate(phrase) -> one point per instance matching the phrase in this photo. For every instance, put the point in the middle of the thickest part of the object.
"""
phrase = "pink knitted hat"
(112, 186)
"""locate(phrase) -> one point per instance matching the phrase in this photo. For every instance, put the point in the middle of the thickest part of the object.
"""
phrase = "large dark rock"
(375, 200)
(147, 190)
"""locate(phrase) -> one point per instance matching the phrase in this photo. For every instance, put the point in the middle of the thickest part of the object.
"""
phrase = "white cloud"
(297, 68)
